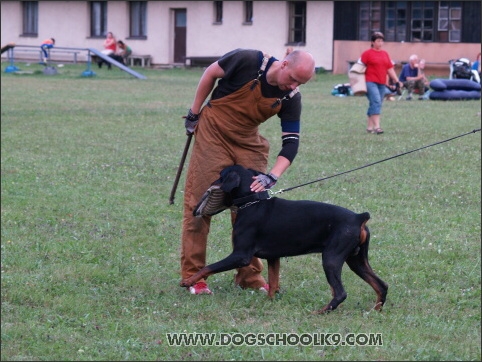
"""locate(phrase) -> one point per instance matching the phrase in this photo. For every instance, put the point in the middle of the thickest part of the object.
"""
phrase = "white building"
(198, 32)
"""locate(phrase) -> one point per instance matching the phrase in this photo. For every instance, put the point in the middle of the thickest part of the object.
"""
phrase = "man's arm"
(279, 167)
(206, 85)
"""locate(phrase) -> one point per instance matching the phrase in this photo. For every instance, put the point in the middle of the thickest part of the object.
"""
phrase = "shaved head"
(302, 63)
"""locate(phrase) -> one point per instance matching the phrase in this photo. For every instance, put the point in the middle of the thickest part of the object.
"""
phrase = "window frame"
(398, 20)
(218, 12)
(138, 19)
(370, 19)
(98, 19)
(412, 21)
(30, 18)
(248, 12)
(449, 20)
(297, 23)
(422, 27)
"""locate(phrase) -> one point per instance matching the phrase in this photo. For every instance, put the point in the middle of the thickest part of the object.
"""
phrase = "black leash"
(374, 163)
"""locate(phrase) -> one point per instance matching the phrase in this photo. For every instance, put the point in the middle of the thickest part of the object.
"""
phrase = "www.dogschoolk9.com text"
(274, 339)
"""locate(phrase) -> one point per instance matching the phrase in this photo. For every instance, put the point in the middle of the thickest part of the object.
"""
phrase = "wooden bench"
(144, 60)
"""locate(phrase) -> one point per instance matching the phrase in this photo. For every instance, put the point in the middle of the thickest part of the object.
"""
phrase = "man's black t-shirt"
(241, 66)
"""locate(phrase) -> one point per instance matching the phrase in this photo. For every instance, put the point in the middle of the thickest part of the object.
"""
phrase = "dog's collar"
(255, 197)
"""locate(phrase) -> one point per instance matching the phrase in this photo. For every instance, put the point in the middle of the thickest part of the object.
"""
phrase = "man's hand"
(191, 121)
(263, 182)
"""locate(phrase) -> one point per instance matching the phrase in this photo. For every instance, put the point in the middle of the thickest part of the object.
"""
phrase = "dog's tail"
(364, 232)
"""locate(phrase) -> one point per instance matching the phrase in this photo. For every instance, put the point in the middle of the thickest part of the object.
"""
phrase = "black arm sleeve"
(290, 146)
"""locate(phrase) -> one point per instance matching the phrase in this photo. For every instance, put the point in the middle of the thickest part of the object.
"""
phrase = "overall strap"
(261, 70)
(288, 96)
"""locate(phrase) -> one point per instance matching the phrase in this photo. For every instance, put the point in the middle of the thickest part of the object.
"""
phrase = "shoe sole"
(192, 290)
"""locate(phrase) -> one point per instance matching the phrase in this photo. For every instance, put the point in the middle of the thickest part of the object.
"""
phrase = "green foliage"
(90, 245)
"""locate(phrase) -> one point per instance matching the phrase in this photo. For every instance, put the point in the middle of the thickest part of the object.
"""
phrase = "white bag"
(356, 75)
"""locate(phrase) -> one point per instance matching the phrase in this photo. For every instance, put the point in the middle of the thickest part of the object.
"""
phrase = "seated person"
(110, 49)
(124, 51)
(421, 72)
(391, 90)
(412, 79)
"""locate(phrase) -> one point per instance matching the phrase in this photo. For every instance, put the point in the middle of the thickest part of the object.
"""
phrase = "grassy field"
(90, 245)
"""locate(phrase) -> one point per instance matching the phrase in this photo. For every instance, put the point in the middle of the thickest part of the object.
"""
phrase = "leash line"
(374, 163)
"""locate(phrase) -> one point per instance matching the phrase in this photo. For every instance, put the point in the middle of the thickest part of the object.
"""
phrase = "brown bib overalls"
(227, 134)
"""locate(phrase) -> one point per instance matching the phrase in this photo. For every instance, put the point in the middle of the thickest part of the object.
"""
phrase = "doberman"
(271, 228)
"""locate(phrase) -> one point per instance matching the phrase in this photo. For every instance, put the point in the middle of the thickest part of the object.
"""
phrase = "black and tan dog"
(271, 228)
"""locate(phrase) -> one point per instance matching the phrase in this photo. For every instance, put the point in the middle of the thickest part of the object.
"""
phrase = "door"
(179, 35)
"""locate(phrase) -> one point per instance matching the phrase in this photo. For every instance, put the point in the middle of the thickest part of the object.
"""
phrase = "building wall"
(440, 53)
(68, 22)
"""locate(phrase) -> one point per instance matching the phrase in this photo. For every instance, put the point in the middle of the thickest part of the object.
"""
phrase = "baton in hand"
(179, 170)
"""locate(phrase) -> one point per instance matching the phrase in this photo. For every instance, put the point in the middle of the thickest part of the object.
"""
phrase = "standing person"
(110, 48)
(413, 77)
(252, 88)
(378, 65)
(476, 65)
(47, 44)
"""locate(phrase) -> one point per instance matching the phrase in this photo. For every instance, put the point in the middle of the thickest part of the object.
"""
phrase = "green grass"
(90, 245)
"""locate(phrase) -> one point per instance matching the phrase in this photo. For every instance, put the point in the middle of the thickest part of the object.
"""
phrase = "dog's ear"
(230, 181)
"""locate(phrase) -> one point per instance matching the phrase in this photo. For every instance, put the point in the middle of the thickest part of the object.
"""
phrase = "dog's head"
(232, 185)
(236, 180)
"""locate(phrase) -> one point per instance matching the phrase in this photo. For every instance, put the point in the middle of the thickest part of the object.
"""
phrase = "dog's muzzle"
(212, 202)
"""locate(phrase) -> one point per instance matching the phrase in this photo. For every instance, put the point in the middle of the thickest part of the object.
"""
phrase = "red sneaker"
(200, 288)
(264, 288)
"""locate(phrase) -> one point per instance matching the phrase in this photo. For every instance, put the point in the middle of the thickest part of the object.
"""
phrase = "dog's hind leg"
(359, 264)
(332, 265)
(273, 276)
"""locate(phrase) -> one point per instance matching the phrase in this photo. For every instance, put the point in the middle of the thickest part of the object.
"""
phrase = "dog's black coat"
(275, 228)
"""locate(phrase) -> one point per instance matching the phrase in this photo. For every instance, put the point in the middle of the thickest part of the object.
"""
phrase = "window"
(30, 18)
(409, 21)
(248, 12)
(450, 20)
(423, 17)
(297, 30)
(396, 21)
(218, 12)
(98, 18)
(138, 13)
(370, 18)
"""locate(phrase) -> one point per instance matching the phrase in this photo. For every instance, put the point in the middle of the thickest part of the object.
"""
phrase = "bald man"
(252, 87)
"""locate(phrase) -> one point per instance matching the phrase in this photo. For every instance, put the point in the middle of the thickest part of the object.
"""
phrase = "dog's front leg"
(273, 276)
(203, 273)
(233, 261)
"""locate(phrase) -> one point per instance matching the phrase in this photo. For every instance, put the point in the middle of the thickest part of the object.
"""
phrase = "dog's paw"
(324, 310)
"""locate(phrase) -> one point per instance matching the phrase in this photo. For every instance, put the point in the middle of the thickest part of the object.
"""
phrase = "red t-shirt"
(378, 62)
(110, 43)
